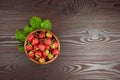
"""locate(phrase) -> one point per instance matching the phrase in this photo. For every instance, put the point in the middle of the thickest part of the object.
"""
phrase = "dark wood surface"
(89, 32)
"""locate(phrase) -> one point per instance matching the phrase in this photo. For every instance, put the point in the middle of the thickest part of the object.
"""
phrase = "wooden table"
(89, 32)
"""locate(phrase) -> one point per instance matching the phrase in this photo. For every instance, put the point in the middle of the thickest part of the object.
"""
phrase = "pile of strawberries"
(42, 46)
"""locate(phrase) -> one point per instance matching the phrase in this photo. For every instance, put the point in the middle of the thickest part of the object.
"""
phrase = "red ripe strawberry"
(28, 47)
(36, 35)
(45, 57)
(38, 54)
(30, 37)
(31, 54)
(54, 45)
(49, 35)
(41, 47)
(45, 53)
(48, 41)
(55, 52)
(36, 47)
(41, 41)
(35, 41)
(47, 47)
(42, 35)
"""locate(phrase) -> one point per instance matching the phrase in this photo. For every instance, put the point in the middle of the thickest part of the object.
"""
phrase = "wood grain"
(89, 33)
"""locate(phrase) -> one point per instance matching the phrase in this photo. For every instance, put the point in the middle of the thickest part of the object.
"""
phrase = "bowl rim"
(43, 31)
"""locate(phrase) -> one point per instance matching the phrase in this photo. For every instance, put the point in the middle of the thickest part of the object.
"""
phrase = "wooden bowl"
(35, 60)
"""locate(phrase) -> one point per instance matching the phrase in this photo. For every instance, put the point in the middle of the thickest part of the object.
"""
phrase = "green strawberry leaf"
(46, 24)
(27, 29)
(35, 22)
(20, 35)
(21, 48)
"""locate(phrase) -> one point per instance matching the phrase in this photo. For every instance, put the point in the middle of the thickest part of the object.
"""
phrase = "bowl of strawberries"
(42, 46)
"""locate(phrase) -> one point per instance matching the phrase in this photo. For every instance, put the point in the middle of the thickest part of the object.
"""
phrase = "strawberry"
(55, 52)
(31, 54)
(42, 35)
(45, 57)
(45, 53)
(36, 35)
(41, 47)
(28, 47)
(50, 56)
(36, 47)
(35, 41)
(49, 35)
(41, 60)
(54, 45)
(38, 54)
(48, 41)
(41, 41)
(30, 37)
(47, 47)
